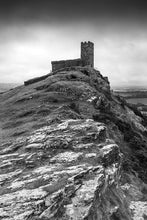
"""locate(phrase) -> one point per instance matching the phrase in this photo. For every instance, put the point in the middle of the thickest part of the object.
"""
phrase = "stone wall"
(34, 80)
(56, 65)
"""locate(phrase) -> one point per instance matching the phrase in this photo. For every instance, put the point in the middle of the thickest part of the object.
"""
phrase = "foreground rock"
(64, 171)
(88, 161)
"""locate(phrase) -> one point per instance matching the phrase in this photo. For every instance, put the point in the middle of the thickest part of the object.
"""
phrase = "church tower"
(87, 53)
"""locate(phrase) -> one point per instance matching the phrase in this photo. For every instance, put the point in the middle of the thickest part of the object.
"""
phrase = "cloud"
(65, 11)
(34, 33)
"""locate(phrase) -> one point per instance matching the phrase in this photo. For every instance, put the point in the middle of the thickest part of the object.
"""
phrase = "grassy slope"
(21, 109)
(26, 108)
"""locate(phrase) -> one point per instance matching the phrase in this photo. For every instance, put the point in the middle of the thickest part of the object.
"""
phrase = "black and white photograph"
(73, 110)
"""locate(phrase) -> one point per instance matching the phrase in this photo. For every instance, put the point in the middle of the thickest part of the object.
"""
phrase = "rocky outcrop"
(82, 157)
(65, 171)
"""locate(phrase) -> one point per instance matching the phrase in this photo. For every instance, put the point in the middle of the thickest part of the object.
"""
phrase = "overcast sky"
(35, 32)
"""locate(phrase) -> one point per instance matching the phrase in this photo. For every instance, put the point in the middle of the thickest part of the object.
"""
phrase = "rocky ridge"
(76, 151)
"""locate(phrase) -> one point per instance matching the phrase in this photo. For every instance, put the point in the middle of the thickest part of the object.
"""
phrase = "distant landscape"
(135, 95)
(6, 86)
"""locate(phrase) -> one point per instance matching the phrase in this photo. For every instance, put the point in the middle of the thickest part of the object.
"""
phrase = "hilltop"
(71, 149)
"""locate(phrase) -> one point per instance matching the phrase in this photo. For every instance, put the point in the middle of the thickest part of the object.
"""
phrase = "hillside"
(71, 149)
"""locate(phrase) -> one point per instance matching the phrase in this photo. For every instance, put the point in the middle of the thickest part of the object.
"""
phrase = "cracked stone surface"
(54, 174)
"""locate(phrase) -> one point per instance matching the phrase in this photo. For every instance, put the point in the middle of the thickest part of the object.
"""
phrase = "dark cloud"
(72, 10)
